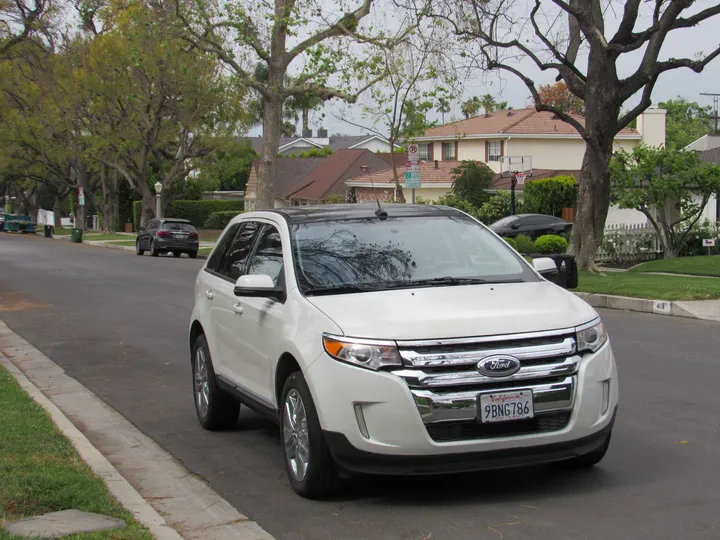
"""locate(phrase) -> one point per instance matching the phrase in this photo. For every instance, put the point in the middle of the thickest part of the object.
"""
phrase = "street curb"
(100, 243)
(116, 484)
(642, 305)
(160, 492)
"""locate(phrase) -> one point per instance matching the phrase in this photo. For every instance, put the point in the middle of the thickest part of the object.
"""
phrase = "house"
(296, 145)
(706, 142)
(710, 155)
(523, 139)
(304, 181)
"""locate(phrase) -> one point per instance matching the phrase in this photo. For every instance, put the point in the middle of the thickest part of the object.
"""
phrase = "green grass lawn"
(204, 250)
(102, 237)
(123, 243)
(701, 265)
(41, 471)
(650, 286)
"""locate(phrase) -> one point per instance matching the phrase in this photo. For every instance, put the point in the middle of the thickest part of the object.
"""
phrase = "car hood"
(458, 311)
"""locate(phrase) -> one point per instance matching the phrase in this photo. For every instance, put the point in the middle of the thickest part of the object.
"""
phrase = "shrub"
(499, 206)
(524, 244)
(471, 180)
(219, 220)
(334, 198)
(512, 242)
(454, 201)
(550, 195)
(195, 211)
(550, 243)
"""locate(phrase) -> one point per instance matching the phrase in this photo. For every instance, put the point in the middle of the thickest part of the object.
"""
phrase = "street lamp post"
(158, 191)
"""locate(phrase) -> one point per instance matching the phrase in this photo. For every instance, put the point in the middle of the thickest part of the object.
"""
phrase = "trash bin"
(76, 236)
(48, 231)
(567, 272)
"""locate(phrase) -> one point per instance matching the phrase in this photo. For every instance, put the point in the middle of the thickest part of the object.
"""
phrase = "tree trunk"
(601, 114)
(57, 209)
(396, 178)
(272, 124)
(148, 210)
(306, 119)
(110, 199)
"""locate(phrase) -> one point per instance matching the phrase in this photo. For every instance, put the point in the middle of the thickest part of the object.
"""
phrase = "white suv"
(404, 340)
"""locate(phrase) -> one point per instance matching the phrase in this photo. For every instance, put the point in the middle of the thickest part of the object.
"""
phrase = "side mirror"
(515, 226)
(545, 266)
(258, 286)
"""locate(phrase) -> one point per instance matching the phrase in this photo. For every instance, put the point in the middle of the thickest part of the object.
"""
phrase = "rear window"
(177, 226)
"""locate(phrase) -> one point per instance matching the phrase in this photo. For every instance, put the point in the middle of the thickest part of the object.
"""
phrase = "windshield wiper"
(340, 289)
(447, 280)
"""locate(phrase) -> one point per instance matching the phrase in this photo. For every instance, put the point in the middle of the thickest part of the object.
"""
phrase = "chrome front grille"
(444, 381)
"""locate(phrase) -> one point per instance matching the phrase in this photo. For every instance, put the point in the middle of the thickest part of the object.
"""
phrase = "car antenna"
(382, 214)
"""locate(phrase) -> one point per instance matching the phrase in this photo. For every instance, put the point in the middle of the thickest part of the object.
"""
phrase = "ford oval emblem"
(499, 366)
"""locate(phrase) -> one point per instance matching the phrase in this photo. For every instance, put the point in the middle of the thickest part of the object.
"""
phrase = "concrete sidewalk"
(708, 310)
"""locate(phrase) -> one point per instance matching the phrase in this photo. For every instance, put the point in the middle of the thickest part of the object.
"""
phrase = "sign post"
(412, 169)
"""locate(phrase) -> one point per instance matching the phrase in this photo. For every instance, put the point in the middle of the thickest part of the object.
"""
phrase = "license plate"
(180, 235)
(504, 406)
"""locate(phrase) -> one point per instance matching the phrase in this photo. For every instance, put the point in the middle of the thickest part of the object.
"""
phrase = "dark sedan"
(533, 225)
(168, 235)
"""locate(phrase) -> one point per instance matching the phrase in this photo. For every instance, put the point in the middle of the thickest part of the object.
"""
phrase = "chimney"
(322, 133)
(364, 168)
(436, 164)
(307, 133)
(510, 113)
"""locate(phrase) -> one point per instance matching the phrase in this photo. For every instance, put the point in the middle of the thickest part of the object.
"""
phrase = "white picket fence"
(625, 245)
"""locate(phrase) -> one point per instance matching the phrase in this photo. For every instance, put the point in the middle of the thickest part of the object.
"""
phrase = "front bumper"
(398, 429)
(350, 459)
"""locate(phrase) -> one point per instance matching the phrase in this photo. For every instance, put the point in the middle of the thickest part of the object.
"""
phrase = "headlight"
(591, 338)
(362, 352)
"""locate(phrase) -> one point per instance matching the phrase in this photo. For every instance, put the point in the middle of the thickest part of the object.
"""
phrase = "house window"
(424, 151)
(495, 150)
(448, 149)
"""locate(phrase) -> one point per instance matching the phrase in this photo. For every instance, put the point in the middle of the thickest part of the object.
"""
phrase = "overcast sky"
(679, 44)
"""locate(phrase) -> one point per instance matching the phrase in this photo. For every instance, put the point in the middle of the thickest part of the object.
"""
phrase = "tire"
(153, 250)
(138, 249)
(588, 460)
(192, 254)
(215, 408)
(316, 475)
(177, 254)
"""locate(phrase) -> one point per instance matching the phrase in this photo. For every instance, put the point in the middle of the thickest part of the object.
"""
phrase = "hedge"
(219, 220)
(197, 212)
(511, 242)
(550, 195)
(550, 243)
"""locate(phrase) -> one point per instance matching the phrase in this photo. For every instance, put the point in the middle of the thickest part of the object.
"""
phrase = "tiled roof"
(710, 156)
(515, 122)
(290, 172)
(330, 175)
(337, 142)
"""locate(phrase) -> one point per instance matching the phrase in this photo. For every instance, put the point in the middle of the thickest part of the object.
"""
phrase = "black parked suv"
(168, 235)
(533, 225)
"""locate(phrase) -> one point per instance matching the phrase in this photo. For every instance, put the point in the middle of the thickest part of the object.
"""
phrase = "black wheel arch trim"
(248, 399)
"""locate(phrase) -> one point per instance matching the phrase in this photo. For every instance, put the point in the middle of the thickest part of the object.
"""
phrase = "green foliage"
(197, 212)
(230, 167)
(512, 242)
(499, 206)
(661, 182)
(219, 220)
(316, 152)
(692, 242)
(454, 201)
(686, 121)
(420, 200)
(351, 195)
(334, 198)
(471, 182)
(524, 244)
(551, 243)
(550, 195)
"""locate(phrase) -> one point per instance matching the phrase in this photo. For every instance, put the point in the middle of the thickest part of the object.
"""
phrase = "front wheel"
(309, 464)
(215, 408)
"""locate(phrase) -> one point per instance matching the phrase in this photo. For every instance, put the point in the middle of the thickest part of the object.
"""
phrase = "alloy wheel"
(201, 383)
(296, 435)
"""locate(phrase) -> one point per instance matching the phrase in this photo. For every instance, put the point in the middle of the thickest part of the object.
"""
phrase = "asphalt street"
(118, 323)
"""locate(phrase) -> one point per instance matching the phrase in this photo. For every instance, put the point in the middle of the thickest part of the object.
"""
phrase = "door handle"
(238, 309)
(209, 294)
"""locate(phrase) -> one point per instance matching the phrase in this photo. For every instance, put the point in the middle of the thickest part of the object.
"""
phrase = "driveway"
(118, 323)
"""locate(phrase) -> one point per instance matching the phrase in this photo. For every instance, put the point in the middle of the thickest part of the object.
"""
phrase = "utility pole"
(716, 100)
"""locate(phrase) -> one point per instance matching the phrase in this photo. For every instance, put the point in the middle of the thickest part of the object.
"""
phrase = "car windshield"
(504, 222)
(375, 254)
(178, 226)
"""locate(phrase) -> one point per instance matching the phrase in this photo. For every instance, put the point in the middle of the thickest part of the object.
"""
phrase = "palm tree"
(304, 104)
(471, 107)
(443, 106)
(488, 103)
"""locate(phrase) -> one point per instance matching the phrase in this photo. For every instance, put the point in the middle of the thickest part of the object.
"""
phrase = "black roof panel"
(336, 212)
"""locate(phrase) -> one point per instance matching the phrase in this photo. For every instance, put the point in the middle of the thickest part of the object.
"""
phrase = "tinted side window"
(268, 257)
(233, 264)
(217, 256)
